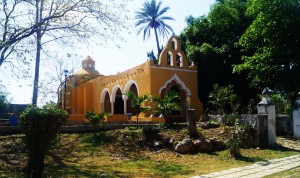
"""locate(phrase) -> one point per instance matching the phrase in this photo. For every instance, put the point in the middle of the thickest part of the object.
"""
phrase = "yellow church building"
(89, 90)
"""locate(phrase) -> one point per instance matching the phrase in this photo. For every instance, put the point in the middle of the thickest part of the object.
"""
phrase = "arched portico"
(117, 103)
(105, 101)
(131, 85)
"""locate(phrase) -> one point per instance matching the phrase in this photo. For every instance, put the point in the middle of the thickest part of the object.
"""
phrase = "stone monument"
(296, 118)
(266, 106)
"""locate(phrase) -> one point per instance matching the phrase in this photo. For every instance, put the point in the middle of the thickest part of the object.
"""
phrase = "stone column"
(112, 107)
(296, 118)
(125, 98)
(266, 106)
(192, 124)
(190, 118)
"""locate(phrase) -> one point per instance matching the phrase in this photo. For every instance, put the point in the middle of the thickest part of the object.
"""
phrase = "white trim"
(176, 69)
(176, 43)
(103, 93)
(179, 82)
(113, 93)
(129, 84)
(171, 58)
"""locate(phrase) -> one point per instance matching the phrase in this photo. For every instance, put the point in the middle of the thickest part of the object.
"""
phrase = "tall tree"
(56, 21)
(52, 80)
(151, 16)
(210, 41)
(13, 30)
(271, 45)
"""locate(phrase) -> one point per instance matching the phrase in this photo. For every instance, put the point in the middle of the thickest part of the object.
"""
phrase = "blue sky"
(111, 59)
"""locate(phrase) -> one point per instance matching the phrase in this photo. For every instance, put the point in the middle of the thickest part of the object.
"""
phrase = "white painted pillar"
(125, 98)
(296, 118)
(266, 106)
(112, 108)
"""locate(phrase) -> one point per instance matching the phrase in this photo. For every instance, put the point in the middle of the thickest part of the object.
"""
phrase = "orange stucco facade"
(91, 91)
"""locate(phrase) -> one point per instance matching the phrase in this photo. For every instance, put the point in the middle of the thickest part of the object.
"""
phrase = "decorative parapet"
(172, 56)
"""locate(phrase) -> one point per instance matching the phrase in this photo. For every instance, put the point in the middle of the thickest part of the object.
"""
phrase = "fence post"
(296, 118)
(266, 106)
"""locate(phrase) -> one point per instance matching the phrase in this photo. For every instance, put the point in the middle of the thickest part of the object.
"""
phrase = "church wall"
(149, 78)
(74, 101)
(139, 75)
(88, 95)
(161, 76)
(80, 99)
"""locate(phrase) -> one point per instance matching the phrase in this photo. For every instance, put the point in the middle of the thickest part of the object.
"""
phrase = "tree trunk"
(137, 121)
(157, 42)
(39, 16)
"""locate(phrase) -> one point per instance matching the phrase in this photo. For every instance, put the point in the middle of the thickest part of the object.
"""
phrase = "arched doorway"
(179, 100)
(119, 103)
(134, 90)
(107, 104)
(177, 116)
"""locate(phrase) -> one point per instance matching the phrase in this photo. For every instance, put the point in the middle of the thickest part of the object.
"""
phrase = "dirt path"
(289, 142)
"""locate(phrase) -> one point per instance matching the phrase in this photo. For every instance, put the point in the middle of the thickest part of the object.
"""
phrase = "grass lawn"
(124, 153)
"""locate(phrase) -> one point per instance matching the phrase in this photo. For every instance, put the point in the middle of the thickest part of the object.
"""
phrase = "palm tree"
(151, 16)
(168, 104)
(136, 103)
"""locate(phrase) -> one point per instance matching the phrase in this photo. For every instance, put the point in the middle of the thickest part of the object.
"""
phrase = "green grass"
(121, 153)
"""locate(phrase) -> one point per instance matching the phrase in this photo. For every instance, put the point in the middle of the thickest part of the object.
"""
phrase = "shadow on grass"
(68, 170)
(249, 159)
(97, 139)
(169, 170)
(278, 147)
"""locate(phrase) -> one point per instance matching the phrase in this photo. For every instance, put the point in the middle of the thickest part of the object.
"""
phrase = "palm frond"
(151, 16)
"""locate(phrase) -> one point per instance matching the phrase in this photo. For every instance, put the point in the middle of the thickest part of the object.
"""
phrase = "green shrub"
(223, 99)
(240, 134)
(230, 119)
(41, 127)
(95, 119)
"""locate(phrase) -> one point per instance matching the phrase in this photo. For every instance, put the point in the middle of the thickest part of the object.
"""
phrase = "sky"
(111, 59)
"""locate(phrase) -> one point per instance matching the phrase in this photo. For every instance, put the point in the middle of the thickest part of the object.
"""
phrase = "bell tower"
(88, 63)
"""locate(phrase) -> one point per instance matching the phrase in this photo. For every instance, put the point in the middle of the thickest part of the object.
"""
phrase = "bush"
(41, 127)
(239, 136)
(95, 119)
(230, 119)
(224, 100)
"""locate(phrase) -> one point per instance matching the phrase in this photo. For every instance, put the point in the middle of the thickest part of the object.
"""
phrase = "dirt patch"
(289, 142)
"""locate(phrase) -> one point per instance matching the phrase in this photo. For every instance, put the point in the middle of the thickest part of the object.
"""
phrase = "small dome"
(88, 67)
(88, 58)
(87, 72)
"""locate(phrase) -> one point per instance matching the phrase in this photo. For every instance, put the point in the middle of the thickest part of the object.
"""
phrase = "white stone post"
(112, 105)
(266, 106)
(296, 118)
(125, 98)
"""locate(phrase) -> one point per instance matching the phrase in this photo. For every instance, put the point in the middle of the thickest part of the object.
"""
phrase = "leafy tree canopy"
(152, 16)
(271, 45)
(4, 102)
(210, 41)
